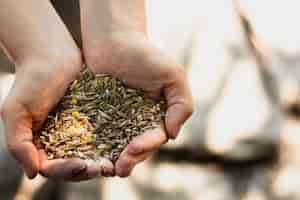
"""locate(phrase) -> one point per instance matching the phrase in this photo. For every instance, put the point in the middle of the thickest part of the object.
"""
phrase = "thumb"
(27, 155)
(18, 132)
(179, 105)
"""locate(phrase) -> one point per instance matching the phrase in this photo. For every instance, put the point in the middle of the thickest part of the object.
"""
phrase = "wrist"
(109, 50)
(112, 19)
(65, 63)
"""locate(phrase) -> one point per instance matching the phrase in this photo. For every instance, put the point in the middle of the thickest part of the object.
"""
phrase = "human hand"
(38, 86)
(46, 59)
(131, 58)
(115, 42)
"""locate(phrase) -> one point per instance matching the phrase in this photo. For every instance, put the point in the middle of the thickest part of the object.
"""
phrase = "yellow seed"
(87, 139)
(75, 114)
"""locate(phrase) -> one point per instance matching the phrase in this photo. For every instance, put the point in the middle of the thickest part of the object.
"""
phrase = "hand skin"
(115, 42)
(46, 60)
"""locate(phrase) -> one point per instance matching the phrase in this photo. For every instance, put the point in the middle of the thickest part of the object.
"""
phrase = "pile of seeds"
(97, 117)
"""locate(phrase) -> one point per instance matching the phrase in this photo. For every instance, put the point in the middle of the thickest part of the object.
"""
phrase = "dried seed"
(98, 116)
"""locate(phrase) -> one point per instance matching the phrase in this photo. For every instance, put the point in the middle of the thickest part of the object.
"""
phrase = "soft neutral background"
(242, 143)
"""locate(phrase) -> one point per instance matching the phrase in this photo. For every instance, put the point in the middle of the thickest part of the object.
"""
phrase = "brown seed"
(98, 116)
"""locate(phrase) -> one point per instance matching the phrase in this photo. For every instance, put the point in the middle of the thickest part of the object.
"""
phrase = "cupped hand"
(38, 86)
(137, 62)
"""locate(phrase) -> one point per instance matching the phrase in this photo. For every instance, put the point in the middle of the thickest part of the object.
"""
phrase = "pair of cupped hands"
(40, 83)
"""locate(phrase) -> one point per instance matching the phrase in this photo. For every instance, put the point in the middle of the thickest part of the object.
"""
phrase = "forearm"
(32, 29)
(108, 18)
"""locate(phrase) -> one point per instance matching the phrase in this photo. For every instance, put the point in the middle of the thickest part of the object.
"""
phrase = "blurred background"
(242, 143)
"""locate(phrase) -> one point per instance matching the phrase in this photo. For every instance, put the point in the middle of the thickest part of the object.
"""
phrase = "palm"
(136, 62)
(34, 94)
(139, 64)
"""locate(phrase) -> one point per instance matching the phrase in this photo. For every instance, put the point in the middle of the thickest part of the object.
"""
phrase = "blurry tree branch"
(261, 54)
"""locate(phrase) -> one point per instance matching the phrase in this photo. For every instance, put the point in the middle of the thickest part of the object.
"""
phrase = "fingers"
(140, 149)
(179, 104)
(26, 153)
(127, 162)
(60, 168)
(17, 125)
(101, 167)
(78, 170)
(75, 169)
(147, 142)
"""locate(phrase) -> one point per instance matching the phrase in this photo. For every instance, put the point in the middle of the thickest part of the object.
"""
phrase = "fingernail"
(123, 173)
(108, 172)
(123, 170)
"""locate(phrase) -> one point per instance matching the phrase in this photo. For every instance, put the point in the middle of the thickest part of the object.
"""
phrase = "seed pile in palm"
(98, 117)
